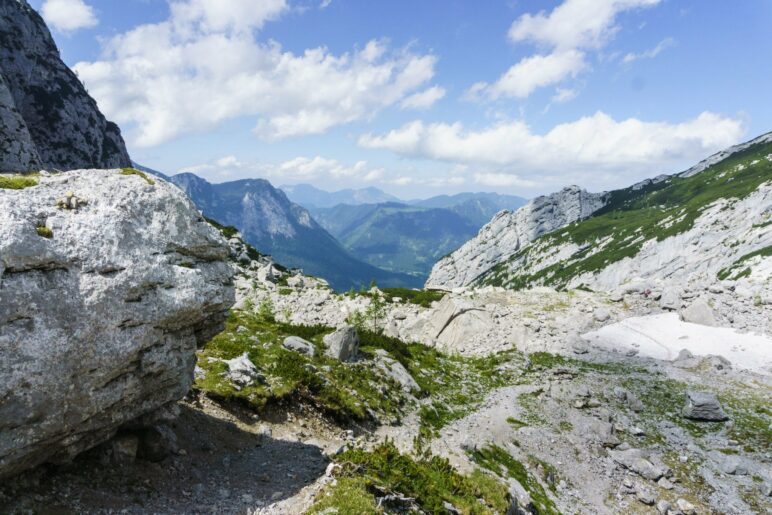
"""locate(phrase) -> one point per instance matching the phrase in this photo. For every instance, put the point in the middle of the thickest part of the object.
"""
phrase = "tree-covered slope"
(398, 237)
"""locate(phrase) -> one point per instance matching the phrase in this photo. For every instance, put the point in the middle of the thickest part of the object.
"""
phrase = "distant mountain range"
(410, 238)
(365, 236)
(272, 223)
(311, 197)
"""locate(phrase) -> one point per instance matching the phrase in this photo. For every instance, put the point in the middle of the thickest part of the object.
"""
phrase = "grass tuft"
(16, 182)
(134, 171)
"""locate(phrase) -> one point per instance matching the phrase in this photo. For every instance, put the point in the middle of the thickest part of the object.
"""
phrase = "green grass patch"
(736, 271)
(134, 171)
(344, 391)
(430, 480)
(16, 182)
(419, 297)
(499, 461)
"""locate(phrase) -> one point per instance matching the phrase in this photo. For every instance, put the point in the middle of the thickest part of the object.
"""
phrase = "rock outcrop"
(101, 308)
(509, 231)
(47, 118)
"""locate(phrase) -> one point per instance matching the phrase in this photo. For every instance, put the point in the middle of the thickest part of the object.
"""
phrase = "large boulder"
(343, 344)
(699, 312)
(703, 406)
(101, 308)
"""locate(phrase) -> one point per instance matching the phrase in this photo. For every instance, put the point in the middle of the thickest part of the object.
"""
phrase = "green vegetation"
(430, 480)
(134, 171)
(633, 216)
(44, 231)
(343, 391)
(16, 182)
(736, 271)
(228, 231)
(346, 391)
(499, 461)
(419, 297)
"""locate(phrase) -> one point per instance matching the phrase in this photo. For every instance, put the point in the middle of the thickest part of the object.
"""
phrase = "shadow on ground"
(221, 469)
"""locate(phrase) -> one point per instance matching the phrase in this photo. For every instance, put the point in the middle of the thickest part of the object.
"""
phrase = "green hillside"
(633, 216)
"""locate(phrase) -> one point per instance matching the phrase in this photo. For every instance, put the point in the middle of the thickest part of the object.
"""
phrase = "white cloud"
(297, 169)
(537, 71)
(423, 99)
(324, 4)
(598, 143)
(574, 23)
(651, 53)
(68, 15)
(568, 31)
(503, 180)
(204, 66)
(563, 95)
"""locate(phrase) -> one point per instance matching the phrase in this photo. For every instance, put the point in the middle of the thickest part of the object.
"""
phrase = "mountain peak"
(53, 121)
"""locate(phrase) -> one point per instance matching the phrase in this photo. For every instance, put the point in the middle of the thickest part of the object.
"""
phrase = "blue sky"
(423, 98)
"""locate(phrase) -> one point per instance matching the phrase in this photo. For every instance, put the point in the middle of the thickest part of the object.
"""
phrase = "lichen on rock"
(99, 325)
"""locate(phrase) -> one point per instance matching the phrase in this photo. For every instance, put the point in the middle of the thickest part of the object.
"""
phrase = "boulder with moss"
(99, 323)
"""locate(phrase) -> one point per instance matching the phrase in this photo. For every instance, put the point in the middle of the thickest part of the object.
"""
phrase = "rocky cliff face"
(47, 119)
(108, 283)
(710, 224)
(509, 231)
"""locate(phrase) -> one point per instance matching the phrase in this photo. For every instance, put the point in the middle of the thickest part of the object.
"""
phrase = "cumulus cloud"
(568, 32)
(535, 72)
(651, 53)
(301, 168)
(423, 99)
(68, 15)
(590, 144)
(204, 65)
(503, 180)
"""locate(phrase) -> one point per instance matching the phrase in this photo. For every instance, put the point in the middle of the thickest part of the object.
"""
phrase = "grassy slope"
(656, 211)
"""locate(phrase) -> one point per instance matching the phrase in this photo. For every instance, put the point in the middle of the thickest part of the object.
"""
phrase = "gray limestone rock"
(509, 231)
(703, 406)
(343, 344)
(699, 312)
(298, 344)
(99, 323)
(47, 118)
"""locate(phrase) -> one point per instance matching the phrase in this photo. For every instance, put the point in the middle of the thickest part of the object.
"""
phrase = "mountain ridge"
(273, 224)
(626, 228)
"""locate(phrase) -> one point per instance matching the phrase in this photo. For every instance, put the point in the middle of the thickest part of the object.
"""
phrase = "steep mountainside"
(510, 231)
(47, 119)
(311, 197)
(712, 222)
(269, 221)
(395, 236)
